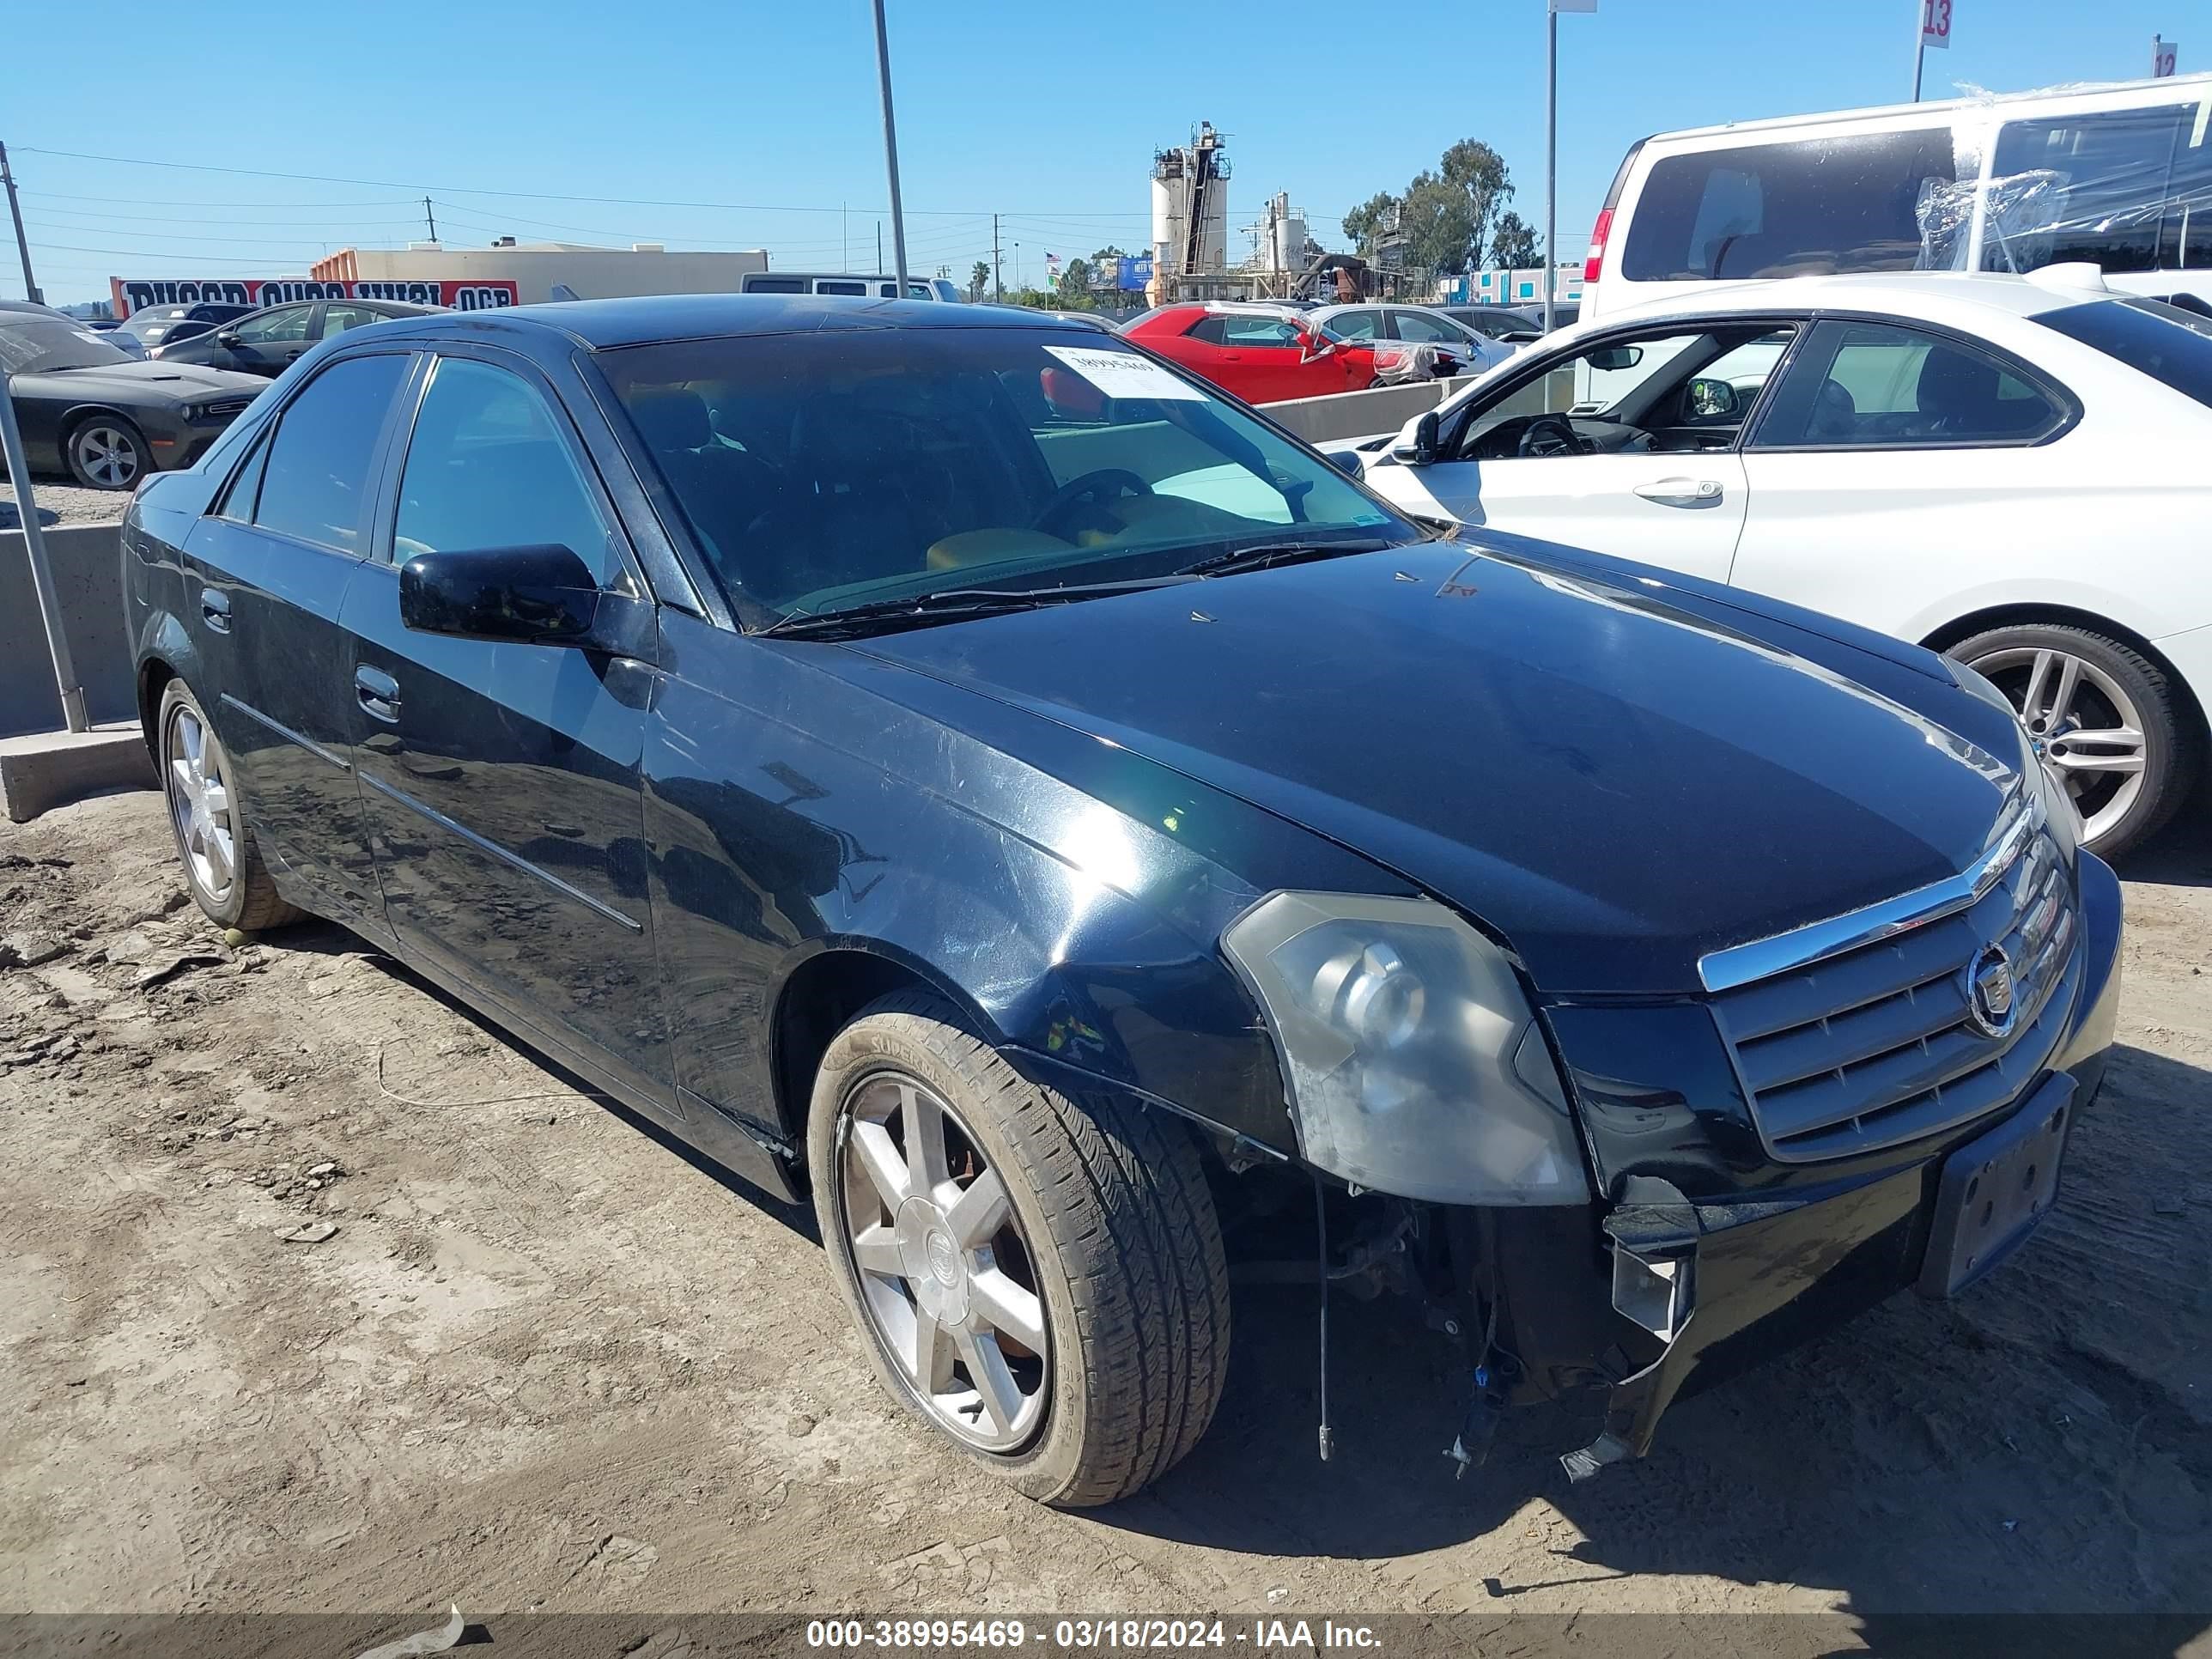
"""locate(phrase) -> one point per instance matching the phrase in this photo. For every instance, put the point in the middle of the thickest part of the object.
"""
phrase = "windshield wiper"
(949, 604)
(1266, 554)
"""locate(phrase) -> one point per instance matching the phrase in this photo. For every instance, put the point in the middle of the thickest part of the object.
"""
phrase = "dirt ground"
(318, 1294)
(63, 504)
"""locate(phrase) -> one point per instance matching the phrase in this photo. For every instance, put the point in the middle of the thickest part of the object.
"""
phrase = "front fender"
(804, 800)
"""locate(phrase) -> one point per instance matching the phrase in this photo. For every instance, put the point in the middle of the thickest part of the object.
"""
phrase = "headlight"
(191, 411)
(1412, 1059)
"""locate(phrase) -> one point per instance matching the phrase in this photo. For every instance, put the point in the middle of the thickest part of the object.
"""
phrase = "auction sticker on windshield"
(1124, 373)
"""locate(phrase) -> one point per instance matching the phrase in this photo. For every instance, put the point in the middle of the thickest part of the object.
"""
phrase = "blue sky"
(1049, 116)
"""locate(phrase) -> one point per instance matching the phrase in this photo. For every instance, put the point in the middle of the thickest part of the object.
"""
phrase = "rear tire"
(1107, 1222)
(223, 870)
(2072, 687)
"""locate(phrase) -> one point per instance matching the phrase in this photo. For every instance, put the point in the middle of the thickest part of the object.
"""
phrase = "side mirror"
(1711, 400)
(1316, 345)
(228, 338)
(539, 595)
(1417, 444)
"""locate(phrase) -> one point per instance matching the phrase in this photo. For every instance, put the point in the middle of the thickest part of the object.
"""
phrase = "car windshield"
(40, 345)
(827, 470)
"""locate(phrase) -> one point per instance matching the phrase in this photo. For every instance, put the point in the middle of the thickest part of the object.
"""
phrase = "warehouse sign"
(129, 295)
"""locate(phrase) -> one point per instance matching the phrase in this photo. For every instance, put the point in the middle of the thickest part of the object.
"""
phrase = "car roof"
(1930, 294)
(2177, 87)
(648, 319)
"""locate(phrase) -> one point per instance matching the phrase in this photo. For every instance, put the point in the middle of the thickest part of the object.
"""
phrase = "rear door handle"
(379, 694)
(1681, 492)
(216, 609)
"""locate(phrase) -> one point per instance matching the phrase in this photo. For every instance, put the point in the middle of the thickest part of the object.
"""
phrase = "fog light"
(1658, 1293)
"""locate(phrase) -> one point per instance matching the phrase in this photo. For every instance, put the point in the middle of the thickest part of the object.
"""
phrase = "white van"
(2118, 175)
(878, 287)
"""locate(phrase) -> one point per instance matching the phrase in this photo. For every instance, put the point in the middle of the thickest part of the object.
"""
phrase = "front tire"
(2105, 719)
(223, 869)
(105, 452)
(1040, 1279)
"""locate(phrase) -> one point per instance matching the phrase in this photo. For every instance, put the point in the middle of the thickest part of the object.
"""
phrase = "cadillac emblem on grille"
(1989, 999)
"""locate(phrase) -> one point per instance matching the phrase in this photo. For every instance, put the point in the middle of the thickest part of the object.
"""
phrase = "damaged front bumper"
(1683, 1291)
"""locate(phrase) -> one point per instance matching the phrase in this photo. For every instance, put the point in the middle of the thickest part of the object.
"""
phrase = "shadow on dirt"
(2043, 1444)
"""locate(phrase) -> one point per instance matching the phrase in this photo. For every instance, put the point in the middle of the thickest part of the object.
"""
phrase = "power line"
(516, 195)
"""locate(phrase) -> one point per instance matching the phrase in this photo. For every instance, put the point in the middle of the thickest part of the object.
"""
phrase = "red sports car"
(1262, 353)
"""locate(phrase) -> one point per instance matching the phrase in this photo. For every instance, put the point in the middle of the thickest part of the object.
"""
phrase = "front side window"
(1356, 325)
(487, 467)
(284, 324)
(316, 478)
(820, 471)
(1806, 208)
(1874, 385)
(2126, 189)
(1682, 391)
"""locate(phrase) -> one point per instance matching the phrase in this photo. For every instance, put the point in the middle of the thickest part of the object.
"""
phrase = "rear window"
(1805, 209)
(2165, 343)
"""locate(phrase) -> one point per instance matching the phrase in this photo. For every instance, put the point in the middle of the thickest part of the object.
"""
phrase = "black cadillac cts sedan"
(949, 765)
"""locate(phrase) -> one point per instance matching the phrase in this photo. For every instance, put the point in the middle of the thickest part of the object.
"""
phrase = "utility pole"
(891, 148)
(879, 245)
(430, 216)
(22, 244)
(42, 575)
(998, 264)
(1552, 10)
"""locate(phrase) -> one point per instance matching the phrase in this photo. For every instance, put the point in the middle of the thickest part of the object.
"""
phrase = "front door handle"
(214, 608)
(379, 693)
(1681, 492)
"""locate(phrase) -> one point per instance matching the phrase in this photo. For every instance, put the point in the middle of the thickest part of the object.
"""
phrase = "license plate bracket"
(1994, 1188)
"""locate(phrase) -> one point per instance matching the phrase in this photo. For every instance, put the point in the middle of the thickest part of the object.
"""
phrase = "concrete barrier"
(87, 565)
(1358, 414)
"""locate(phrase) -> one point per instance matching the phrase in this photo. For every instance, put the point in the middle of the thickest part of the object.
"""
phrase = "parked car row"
(1267, 353)
(959, 769)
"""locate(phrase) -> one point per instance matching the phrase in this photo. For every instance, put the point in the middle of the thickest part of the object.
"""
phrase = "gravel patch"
(60, 504)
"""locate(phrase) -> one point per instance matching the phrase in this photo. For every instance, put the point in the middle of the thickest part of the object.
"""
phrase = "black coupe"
(103, 416)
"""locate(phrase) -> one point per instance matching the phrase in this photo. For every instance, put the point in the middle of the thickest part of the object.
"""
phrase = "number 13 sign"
(1935, 23)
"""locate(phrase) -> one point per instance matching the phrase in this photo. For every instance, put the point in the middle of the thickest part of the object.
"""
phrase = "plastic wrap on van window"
(2129, 189)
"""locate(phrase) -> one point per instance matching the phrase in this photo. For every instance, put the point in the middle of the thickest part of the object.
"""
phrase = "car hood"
(141, 383)
(1616, 777)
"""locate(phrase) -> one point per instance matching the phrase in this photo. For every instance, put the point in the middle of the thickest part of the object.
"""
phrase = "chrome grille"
(1878, 1045)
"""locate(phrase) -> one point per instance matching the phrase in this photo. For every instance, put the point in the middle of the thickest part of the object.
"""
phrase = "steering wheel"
(1553, 434)
(1096, 489)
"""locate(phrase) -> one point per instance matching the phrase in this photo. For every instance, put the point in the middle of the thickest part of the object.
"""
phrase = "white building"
(589, 272)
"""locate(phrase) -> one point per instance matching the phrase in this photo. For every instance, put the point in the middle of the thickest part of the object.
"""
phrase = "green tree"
(1478, 173)
(1369, 219)
(1513, 245)
(979, 279)
(1108, 255)
(1075, 278)
(1439, 220)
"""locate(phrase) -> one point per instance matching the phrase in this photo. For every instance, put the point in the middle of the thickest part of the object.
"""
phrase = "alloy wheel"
(106, 454)
(2086, 730)
(946, 1274)
(200, 805)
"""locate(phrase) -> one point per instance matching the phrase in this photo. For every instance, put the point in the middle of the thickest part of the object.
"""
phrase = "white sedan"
(2011, 469)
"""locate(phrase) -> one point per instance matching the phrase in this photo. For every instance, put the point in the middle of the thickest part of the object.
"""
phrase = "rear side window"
(860, 288)
(1803, 208)
(316, 478)
(2170, 345)
(487, 467)
(775, 285)
(1868, 385)
(2126, 189)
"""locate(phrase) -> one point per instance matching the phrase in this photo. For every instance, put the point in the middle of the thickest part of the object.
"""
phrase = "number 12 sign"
(1935, 23)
